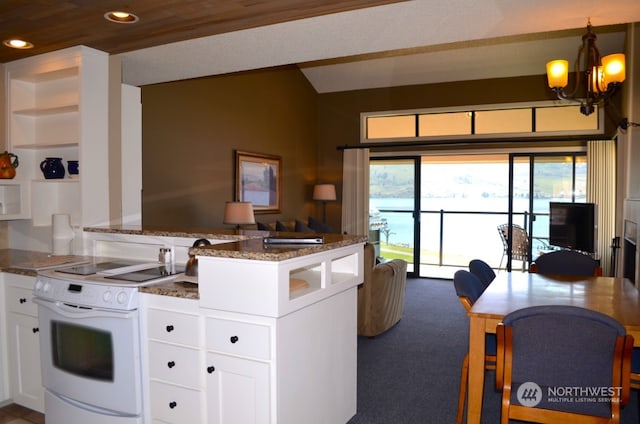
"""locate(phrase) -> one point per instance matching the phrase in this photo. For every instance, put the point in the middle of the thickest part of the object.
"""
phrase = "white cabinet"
(238, 369)
(25, 379)
(281, 337)
(267, 342)
(57, 106)
(173, 359)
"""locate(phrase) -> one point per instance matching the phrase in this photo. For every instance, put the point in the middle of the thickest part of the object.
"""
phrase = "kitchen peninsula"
(268, 335)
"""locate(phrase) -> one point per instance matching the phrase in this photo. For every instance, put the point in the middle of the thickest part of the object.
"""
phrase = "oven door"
(91, 356)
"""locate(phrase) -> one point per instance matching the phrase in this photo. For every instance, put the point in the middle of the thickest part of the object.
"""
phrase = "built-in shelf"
(57, 110)
(57, 106)
(53, 75)
(14, 203)
(279, 287)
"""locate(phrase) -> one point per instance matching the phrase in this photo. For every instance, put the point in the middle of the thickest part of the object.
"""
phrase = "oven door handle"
(74, 312)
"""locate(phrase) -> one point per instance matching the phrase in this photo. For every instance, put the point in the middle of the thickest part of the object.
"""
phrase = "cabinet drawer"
(176, 405)
(175, 364)
(174, 327)
(238, 338)
(19, 300)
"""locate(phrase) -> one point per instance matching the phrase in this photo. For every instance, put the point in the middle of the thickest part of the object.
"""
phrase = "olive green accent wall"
(191, 129)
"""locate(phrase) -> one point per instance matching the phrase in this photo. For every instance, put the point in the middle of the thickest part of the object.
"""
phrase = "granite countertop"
(243, 244)
(27, 262)
(221, 234)
(181, 287)
(254, 248)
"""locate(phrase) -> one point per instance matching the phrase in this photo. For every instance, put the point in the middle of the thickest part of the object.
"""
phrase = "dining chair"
(519, 246)
(469, 288)
(562, 364)
(482, 270)
(566, 262)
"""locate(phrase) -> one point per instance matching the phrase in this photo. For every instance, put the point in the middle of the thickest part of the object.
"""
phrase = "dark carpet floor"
(411, 373)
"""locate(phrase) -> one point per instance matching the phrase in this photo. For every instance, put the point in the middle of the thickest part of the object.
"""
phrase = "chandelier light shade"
(596, 77)
(238, 213)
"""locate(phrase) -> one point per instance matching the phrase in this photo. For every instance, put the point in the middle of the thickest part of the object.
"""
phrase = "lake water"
(466, 234)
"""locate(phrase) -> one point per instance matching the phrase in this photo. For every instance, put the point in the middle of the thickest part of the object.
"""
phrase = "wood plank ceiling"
(52, 25)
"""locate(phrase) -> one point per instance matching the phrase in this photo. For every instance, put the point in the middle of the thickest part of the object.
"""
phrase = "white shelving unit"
(14, 199)
(57, 105)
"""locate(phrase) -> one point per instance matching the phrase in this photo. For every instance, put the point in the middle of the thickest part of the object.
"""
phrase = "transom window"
(515, 120)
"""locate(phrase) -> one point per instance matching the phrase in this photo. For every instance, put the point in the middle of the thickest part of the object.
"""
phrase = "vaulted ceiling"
(339, 44)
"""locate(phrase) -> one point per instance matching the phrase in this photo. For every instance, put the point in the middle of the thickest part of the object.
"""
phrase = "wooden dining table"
(510, 291)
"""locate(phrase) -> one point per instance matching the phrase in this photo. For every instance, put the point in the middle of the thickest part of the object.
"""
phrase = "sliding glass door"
(538, 179)
(393, 208)
(438, 212)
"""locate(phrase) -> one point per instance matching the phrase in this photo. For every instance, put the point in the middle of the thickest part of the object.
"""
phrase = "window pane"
(566, 118)
(435, 124)
(391, 126)
(503, 121)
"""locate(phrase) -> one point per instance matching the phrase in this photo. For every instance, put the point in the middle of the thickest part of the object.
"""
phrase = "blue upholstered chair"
(469, 288)
(482, 270)
(566, 262)
(543, 348)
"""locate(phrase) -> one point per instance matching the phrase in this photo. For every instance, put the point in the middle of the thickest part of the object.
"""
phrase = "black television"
(573, 226)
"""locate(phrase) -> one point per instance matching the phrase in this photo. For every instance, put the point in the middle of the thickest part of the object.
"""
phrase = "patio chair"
(469, 288)
(519, 247)
(542, 348)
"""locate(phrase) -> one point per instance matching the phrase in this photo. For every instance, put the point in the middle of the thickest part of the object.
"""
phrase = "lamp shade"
(558, 73)
(238, 213)
(324, 192)
(614, 68)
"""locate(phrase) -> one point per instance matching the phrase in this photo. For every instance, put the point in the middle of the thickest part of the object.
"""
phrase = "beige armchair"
(381, 295)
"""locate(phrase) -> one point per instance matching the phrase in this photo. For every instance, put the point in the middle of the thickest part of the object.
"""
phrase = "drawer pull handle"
(172, 404)
(23, 300)
(35, 330)
(211, 369)
(234, 339)
(170, 328)
(171, 364)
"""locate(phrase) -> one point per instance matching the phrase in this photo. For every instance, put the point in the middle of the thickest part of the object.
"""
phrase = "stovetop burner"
(147, 274)
(89, 269)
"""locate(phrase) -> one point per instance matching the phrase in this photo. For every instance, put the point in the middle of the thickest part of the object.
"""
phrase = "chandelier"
(596, 78)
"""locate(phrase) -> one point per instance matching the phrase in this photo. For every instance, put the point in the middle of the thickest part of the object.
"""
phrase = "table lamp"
(324, 193)
(238, 214)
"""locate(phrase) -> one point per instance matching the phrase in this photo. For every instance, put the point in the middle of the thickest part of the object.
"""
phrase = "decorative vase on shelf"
(8, 165)
(73, 168)
(52, 168)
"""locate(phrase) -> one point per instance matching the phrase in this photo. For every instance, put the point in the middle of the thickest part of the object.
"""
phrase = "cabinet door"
(237, 390)
(24, 361)
(174, 404)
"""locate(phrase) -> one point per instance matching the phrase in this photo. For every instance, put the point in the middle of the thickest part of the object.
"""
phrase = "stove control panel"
(86, 294)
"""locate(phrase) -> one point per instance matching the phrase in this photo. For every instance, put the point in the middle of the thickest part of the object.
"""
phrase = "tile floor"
(16, 414)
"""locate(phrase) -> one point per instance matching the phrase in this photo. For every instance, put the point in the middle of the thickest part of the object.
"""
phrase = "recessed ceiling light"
(18, 44)
(121, 17)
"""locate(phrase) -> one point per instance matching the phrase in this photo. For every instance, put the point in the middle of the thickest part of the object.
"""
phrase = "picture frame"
(257, 180)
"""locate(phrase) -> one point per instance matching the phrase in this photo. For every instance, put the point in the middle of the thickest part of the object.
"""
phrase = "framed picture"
(258, 181)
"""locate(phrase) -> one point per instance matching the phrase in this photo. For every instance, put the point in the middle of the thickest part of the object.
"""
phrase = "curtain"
(601, 190)
(355, 191)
